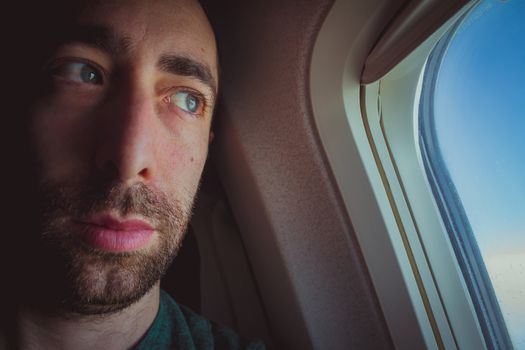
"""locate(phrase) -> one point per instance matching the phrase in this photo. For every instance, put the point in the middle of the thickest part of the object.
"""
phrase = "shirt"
(178, 327)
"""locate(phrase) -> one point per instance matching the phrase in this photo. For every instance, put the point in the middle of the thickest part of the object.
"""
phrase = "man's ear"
(211, 137)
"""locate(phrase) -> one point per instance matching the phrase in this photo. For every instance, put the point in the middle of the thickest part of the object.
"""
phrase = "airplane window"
(472, 138)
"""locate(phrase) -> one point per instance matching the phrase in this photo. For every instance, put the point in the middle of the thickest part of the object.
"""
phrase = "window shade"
(408, 29)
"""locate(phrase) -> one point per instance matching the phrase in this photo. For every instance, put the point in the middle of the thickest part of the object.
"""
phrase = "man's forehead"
(179, 23)
(158, 19)
(148, 17)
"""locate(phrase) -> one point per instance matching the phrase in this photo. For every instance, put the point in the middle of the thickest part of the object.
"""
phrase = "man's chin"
(98, 296)
(107, 284)
(101, 283)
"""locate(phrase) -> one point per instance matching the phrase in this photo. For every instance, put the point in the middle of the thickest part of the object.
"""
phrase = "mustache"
(95, 196)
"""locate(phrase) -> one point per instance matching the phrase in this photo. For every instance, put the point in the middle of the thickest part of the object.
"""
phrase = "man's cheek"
(182, 168)
(61, 141)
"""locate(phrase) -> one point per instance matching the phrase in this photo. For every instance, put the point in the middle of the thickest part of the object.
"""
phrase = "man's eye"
(80, 72)
(187, 101)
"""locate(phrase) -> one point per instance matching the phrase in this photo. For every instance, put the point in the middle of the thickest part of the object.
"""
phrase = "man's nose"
(125, 141)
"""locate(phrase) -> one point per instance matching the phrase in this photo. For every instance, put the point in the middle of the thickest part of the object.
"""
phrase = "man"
(118, 126)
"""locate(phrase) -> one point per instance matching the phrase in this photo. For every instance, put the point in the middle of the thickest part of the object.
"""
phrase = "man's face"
(120, 135)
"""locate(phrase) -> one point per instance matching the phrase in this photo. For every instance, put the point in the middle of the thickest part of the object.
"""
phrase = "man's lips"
(105, 232)
(109, 222)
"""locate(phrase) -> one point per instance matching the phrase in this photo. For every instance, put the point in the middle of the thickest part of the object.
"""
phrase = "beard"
(84, 280)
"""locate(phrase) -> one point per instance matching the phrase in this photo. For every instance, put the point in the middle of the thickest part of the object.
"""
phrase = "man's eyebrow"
(185, 66)
(100, 37)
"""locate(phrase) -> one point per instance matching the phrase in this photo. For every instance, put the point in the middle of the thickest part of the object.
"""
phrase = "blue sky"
(480, 119)
(480, 122)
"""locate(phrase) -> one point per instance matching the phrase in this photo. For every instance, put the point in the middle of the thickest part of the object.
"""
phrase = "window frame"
(451, 210)
(370, 137)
